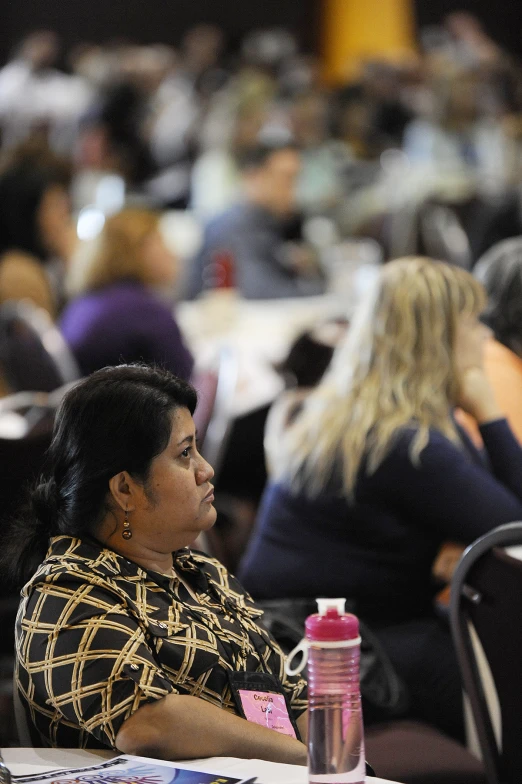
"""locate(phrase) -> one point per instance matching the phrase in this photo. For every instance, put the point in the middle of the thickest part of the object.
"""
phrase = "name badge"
(268, 709)
(260, 698)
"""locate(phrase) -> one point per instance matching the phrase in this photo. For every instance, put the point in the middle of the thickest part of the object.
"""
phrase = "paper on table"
(127, 769)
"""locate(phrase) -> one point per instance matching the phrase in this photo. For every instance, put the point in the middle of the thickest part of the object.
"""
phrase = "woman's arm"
(445, 490)
(183, 727)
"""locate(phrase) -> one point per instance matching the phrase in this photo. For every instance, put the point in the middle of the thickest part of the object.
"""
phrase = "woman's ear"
(122, 488)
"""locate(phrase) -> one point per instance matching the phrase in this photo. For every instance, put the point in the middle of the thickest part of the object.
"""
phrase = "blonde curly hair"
(395, 369)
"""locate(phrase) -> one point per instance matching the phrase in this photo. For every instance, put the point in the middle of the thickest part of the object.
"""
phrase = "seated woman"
(118, 316)
(37, 234)
(125, 637)
(500, 271)
(372, 474)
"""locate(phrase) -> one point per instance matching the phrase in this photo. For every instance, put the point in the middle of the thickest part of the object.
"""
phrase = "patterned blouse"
(97, 636)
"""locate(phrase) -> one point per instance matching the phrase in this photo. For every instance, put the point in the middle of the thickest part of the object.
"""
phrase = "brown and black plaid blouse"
(97, 636)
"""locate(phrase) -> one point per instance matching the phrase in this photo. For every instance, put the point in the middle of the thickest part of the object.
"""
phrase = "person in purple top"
(371, 475)
(118, 316)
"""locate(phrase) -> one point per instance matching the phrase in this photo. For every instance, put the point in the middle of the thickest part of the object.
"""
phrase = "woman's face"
(160, 263)
(175, 506)
(470, 338)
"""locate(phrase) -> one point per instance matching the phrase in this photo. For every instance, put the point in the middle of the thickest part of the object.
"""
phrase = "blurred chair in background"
(33, 354)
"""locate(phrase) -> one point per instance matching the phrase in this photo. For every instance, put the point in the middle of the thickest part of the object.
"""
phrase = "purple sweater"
(124, 322)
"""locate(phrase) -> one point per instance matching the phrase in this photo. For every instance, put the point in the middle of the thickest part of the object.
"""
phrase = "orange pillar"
(358, 30)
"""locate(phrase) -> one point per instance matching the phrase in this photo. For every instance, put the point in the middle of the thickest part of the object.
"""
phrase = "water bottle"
(335, 726)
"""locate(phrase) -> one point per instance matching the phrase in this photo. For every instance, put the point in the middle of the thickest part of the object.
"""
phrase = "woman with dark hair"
(37, 235)
(500, 272)
(125, 637)
(34, 204)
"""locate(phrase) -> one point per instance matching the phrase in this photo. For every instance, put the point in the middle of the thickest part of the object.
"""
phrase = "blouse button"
(162, 625)
(134, 667)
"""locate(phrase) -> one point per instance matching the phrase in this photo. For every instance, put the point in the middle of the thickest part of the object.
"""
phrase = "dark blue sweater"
(379, 550)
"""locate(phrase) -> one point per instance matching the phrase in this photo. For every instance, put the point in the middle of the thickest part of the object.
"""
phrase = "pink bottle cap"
(331, 623)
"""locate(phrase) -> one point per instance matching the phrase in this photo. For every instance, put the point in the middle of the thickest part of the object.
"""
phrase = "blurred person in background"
(201, 52)
(370, 475)
(111, 138)
(115, 134)
(462, 138)
(118, 314)
(470, 42)
(35, 216)
(251, 234)
(34, 94)
(500, 272)
(250, 82)
(179, 108)
(216, 178)
(319, 187)
(351, 119)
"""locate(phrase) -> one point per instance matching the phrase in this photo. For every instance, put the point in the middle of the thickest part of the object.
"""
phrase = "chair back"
(33, 353)
(485, 615)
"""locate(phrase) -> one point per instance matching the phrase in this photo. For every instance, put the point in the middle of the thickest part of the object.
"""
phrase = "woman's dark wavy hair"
(500, 272)
(117, 419)
(24, 181)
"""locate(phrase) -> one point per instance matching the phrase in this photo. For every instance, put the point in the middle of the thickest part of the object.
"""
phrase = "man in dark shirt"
(246, 244)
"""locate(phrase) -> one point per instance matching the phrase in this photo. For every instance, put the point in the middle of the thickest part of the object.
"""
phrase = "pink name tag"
(267, 709)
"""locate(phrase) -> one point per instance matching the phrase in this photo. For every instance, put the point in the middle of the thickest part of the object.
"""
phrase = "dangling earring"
(126, 533)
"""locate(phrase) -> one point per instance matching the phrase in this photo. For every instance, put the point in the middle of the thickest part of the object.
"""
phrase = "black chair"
(486, 621)
(33, 353)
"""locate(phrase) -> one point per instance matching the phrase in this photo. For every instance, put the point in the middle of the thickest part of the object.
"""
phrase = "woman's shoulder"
(118, 304)
(77, 563)
(410, 448)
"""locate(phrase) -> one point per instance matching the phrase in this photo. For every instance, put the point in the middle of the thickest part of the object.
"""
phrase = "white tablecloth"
(259, 332)
(22, 761)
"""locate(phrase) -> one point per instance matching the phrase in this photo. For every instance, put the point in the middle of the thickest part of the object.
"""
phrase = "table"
(258, 332)
(26, 761)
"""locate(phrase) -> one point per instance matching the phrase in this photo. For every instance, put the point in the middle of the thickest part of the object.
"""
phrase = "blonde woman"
(372, 475)
(118, 316)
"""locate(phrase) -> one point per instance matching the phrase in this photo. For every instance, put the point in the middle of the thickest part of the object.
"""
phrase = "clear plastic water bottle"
(335, 725)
